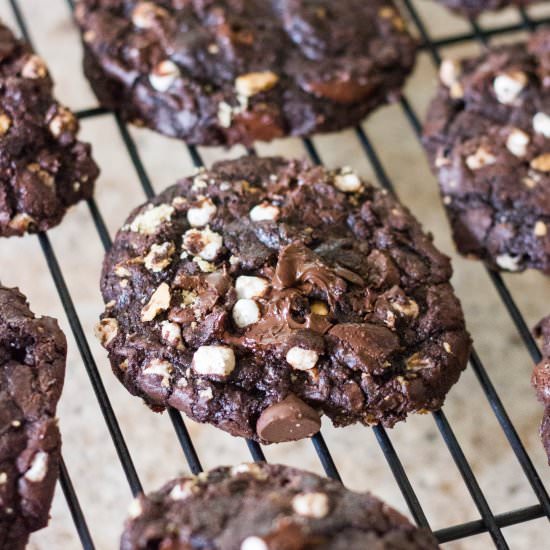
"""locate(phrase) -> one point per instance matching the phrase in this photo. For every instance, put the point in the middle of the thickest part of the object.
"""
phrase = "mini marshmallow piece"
(347, 181)
(507, 262)
(202, 214)
(449, 72)
(251, 287)
(540, 229)
(206, 243)
(311, 505)
(479, 159)
(164, 75)
(517, 142)
(39, 468)
(254, 543)
(171, 333)
(301, 359)
(162, 368)
(135, 509)
(159, 301)
(264, 212)
(184, 489)
(246, 312)
(145, 13)
(159, 257)
(509, 85)
(541, 124)
(251, 84)
(106, 331)
(148, 221)
(214, 360)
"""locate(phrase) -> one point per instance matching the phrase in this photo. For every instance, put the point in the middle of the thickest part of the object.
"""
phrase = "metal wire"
(489, 522)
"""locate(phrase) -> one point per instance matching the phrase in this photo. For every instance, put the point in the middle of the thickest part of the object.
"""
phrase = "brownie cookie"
(266, 507)
(472, 8)
(235, 71)
(488, 139)
(44, 168)
(261, 293)
(541, 381)
(32, 369)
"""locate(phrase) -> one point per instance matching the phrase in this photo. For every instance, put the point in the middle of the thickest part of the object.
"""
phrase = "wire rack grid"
(488, 521)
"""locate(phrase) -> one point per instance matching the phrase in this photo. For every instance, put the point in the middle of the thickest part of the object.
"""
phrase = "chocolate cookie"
(32, 369)
(472, 8)
(488, 139)
(265, 506)
(261, 293)
(234, 71)
(44, 168)
(541, 381)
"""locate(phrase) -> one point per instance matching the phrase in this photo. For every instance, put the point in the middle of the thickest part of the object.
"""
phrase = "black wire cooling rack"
(488, 522)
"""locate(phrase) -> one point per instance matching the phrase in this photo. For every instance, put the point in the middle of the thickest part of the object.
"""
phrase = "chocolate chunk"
(44, 168)
(229, 72)
(488, 138)
(32, 370)
(288, 420)
(264, 278)
(259, 506)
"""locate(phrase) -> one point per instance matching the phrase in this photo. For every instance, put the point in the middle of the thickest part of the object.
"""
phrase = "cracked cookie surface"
(44, 168)
(488, 139)
(257, 294)
(234, 71)
(260, 506)
(32, 369)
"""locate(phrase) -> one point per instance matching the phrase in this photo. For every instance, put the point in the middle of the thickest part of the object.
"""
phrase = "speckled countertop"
(89, 453)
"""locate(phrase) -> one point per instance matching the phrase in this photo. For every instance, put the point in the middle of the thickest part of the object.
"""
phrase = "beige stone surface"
(88, 450)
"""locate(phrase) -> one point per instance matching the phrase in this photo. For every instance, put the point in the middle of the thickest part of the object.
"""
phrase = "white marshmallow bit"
(540, 229)
(479, 159)
(507, 262)
(264, 212)
(250, 287)
(214, 360)
(206, 243)
(39, 468)
(254, 543)
(161, 368)
(184, 489)
(311, 505)
(135, 509)
(541, 124)
(145, 13)
(171, 333)
(301, 359)
(517, 142)
(164, 75)
(202, 214)
(147, 222)
(159, 301)
(509, 85)
(449, 72)
(347, 181)
(246, 312)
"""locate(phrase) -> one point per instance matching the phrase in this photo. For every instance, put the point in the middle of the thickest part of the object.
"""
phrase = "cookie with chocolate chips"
(261, 506)
(541, 381)
(264, 292)
(44, 168)
(488, 139)
(32, 369)
(472, 8)
(235, 71)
